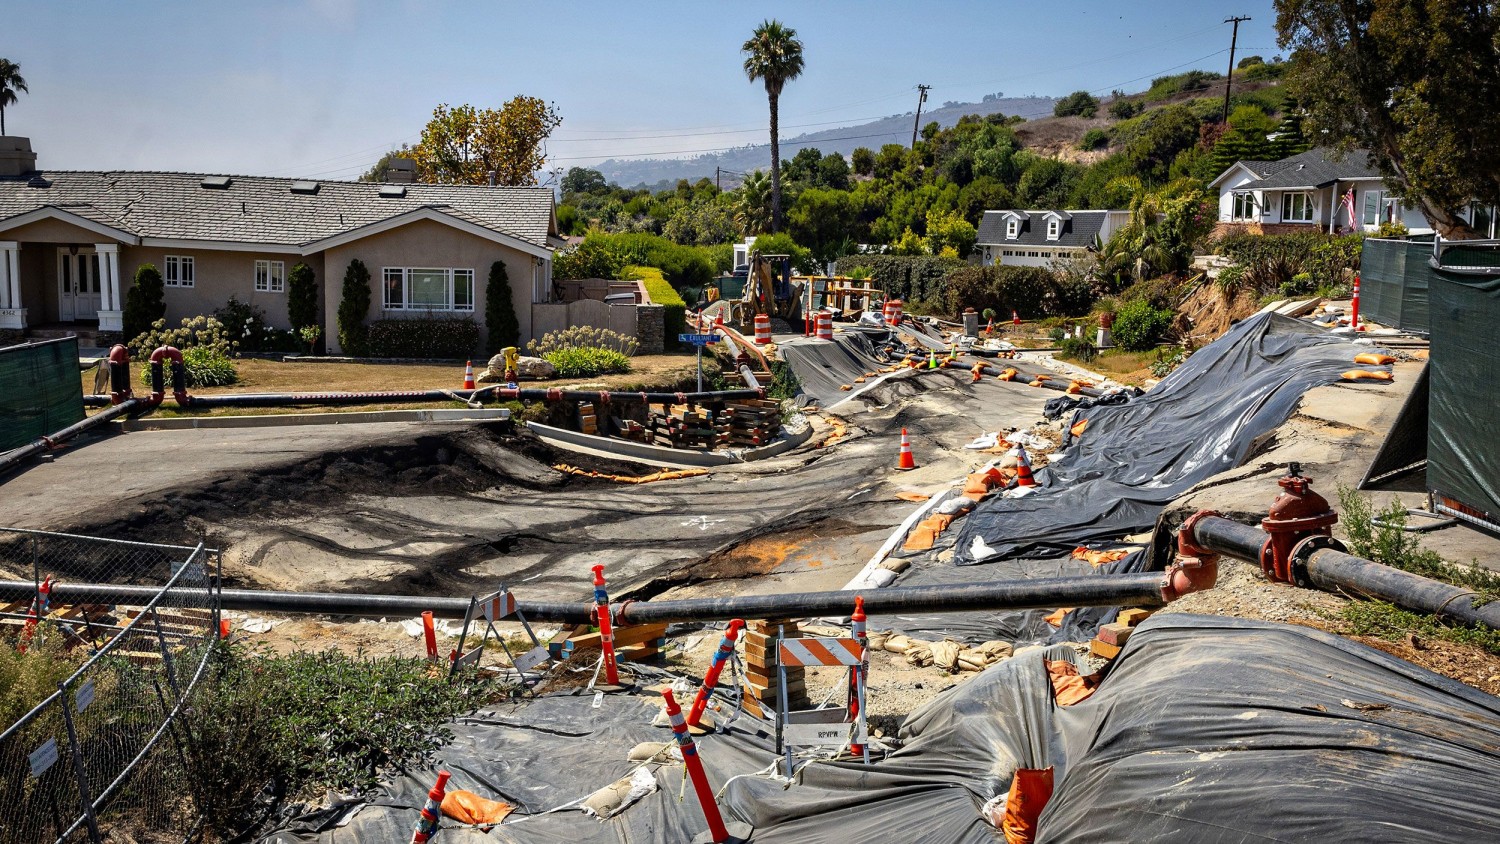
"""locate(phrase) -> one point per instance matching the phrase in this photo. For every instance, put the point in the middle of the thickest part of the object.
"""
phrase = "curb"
(289, 420)
(660, 456)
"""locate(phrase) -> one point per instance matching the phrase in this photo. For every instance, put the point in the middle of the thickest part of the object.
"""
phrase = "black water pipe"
(1329, 568)
(96, 401)
(16, 457)
(498, 394)
(1128, 590)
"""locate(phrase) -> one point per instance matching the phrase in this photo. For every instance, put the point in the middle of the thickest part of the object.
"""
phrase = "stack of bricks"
(588, 423)
(1112, 637)
(680, 426)
(762, 682)
(753, 422)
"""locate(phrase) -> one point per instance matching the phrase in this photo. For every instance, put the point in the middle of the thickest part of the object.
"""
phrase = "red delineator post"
(857, 630)
(606, 628)
(429, 632)
(432, 812)
(711, 679)
(694, 766)
(1354, 305)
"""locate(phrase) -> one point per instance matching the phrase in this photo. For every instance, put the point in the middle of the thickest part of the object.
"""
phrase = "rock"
(526, 367)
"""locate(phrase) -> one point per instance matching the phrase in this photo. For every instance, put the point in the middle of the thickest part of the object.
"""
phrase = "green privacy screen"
(1463, 435)
(40, 391)
(1394, 283)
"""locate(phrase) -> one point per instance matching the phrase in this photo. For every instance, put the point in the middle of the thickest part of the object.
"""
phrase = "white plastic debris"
(984, 441)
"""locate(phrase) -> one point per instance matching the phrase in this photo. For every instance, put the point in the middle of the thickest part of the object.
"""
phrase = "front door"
(77, 286)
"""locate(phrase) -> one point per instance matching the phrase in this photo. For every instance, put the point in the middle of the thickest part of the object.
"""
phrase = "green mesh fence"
(1463, 434)
(1394, 281)
(40, 391)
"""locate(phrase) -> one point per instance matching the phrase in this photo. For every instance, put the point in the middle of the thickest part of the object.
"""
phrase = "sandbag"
(1029, 792)
(1068, 686)
(468, 807)
(1374, 358)
(1366, 375)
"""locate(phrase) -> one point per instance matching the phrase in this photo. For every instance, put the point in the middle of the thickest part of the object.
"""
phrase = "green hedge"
(683, 266)
(1267, 261)
(1031, 291)
(453, 338)
(674, 319)
(1139, 327)
(911, 278)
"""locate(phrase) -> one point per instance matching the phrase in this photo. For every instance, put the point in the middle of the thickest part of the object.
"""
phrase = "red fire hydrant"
(1296, 514)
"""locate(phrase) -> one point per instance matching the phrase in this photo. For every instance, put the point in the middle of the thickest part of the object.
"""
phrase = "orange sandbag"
(468, 807)
(1007, 374)
(1098, 558)
(1079, 427)
(1036, 383)
(1366, 375)
(912, 496)
(1374, 358)
(925, 535)
(1068, 686)
(1029, 793)
(1075, 387)
(1055, 618)
(977, 484)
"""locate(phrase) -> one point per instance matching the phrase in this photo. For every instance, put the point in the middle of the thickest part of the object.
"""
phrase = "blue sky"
(322, 87)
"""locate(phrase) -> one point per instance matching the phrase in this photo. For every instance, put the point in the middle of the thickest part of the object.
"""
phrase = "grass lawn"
(1125, 367)
(648, 372)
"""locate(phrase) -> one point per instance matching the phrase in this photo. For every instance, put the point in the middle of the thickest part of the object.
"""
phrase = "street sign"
(698, 339)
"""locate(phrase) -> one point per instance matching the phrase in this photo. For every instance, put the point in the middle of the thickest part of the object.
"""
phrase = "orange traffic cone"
(906, 461)
(1023, 468)
(469, 375)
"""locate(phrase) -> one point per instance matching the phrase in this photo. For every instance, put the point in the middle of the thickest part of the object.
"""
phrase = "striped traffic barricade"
(486, 610)
(835, 726)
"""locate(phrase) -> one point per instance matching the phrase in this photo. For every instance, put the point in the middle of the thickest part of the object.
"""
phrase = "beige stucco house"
(71, 242)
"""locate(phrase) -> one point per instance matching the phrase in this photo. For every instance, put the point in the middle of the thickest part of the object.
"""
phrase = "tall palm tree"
(773, 55)
(752, 210)
(11, 82)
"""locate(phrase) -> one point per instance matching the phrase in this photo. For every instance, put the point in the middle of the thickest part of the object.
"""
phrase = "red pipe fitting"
(1194, 568)
(179, 376)
(119, 374)
(1296, 514)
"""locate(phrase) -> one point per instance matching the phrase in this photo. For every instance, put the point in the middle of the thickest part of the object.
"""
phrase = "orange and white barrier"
(826, 651)
(762, 330)
(825, 326)
(906, 460)
(812, 729)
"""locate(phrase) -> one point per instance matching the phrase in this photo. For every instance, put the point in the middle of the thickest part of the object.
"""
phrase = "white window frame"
(1287, 206)
(1011, 227)
(1054, 229)
(270, 276)
(451, 277)
(178, 270)
(1242, 206)
(1492, 211)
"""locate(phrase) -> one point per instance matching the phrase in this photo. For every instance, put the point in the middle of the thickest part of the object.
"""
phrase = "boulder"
(527, 368)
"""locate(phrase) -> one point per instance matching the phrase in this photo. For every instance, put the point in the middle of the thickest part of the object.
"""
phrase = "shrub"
(682, 266)
(208, 367)
(244, 326)
(1093, 139)
(781, 243)
(1123, 109)
(1079, 348)
(500, 321)
(584, 337)
(587, 362)
(909, 278)
(301, 297)
(354, 307)
(674, 316)
(1080, 103)
(1139, 326)
(145, 302)
(1030, 291)
(594, 258)
(194, 331)
(1266, 261)
(452, 338)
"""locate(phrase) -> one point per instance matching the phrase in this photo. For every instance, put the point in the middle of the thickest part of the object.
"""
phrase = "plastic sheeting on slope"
(824, 367)
(1205, 729)
(1136, 458)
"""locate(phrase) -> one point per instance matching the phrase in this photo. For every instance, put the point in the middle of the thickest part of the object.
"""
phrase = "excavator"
(768, 288)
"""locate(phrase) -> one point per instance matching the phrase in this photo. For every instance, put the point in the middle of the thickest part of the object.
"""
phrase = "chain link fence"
(92, 687)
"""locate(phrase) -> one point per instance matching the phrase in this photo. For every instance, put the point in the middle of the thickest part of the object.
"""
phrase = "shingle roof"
(1080, 230)
(1311, 169)
(256, 209)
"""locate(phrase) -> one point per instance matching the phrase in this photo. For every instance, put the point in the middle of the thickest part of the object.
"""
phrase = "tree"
(947, 230)
(833, 172)
(863, 160)
(354, 307)
(753, 211)
(463, 145)
(1414, 82)
(1123, 109)
(821, 219)
(1166, 132)
(1250, 61)
(700, 224)
(774, 56)
(145, 302)
(11, 83)
(1247, 139)
(583, 180)
(1080, 103)
(500, 310)
(301, 297)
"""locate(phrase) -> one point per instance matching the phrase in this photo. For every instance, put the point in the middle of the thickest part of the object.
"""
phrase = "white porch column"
(12, 315)
(110, 314)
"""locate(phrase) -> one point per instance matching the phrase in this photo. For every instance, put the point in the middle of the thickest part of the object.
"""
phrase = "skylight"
(215, 182)
(305, 187)
(393, 191)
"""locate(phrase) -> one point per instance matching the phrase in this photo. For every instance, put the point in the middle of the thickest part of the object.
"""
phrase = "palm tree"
(773, 55)
(11, 82)
(752, 213)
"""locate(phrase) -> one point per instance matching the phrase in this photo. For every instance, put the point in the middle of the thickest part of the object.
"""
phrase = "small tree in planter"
(302, 297)
(145, 303)
(354, 306)
(500, 311)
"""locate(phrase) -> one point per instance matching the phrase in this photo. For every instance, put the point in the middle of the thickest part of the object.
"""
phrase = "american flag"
(1348, 203)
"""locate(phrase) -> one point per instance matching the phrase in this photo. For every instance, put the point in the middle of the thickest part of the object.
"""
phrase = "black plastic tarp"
(1463, 435)
(1206, 729)
(1135, 458)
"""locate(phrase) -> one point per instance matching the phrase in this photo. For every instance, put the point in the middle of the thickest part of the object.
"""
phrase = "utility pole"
(918, 122)
(1229, 77)
(717, 189)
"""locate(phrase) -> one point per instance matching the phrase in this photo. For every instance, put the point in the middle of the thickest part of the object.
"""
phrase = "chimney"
(401, 171)
(16, 157)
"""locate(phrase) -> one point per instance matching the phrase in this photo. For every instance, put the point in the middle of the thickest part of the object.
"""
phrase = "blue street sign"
(698, 339)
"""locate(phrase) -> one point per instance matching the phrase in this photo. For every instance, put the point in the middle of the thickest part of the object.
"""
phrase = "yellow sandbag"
(1366, 375)
(1374, 358)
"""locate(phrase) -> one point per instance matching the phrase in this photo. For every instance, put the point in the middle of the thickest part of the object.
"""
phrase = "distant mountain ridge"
(895, 129)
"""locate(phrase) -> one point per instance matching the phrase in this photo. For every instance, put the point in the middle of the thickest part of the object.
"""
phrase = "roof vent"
(215, 182)
(305, 187)
(38, 182)
(393, 191)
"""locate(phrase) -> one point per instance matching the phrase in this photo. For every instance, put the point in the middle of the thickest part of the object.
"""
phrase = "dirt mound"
(1208, 312)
